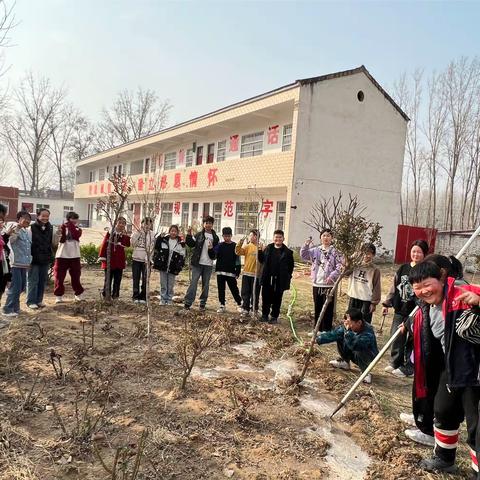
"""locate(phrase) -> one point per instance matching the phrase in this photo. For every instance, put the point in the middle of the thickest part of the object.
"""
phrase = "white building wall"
(349, 146)
(55, 205)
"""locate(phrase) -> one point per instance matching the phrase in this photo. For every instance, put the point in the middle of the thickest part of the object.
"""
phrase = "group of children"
(26, 254)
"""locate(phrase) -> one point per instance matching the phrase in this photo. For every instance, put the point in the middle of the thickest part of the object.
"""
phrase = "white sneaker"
(58, 299)
(389, 369)
(143, 302)
(408, 418)
(239, 309)
(33, 306)
(162, 303)
(41, 305)
(340, 364)
(398, 373)
(79, 298)
(11, 314)
(367, 379)
(419, 437)
(221, 309)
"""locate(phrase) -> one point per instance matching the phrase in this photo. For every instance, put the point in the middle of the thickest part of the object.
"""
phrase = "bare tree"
(434, 130)
(7, 24)
(409, 98)
(62, 126)
(132, 116)
(27, 130)
(460, 86)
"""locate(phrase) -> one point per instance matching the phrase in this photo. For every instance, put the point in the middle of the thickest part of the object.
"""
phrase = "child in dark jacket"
(228, 269)
(278, 265)
(119, 242)
(169, 258)
(5, 274)
(203, 254)
(356, 342)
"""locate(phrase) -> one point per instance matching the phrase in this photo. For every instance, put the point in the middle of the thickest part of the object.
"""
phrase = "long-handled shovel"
(382, 352)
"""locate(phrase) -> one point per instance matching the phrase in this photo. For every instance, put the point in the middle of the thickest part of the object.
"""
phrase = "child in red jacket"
(119, 242)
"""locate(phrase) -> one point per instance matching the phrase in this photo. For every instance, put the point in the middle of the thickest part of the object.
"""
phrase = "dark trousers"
(271, 300)
(247, 292)
(450, 409)
(319, 298)
(362, 358)
(139, 273)
(115, 281)
(422, 409)
(364, 306)
(73, 267)
(402, 347)
(232, 285)
(4, 279)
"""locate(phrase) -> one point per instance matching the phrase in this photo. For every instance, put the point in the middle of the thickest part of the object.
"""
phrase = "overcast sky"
(204, 55)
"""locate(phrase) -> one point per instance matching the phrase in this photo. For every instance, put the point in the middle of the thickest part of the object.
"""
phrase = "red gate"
(406, 234)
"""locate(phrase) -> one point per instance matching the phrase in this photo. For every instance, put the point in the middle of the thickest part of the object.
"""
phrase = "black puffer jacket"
(42, 235)
(282, 277)
(196, 242)
(161, 254)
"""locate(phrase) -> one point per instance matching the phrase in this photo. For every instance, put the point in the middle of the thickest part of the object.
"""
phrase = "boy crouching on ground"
(356, 342)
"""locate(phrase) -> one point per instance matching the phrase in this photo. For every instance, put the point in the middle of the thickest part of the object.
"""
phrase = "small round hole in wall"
(360, 96)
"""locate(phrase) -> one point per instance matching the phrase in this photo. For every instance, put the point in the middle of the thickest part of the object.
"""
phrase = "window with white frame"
(246, 215)
(185, 211)
(101, 174)
(280, 215)
(170, 161)
(167, 214)
(287, 138)
(153, 165)
(66, 209)
(91, 176)
(42, 205)
(136, 168)
(147, 165)
(252, 145)
(217, 215)
(221, 150)
(189, 157)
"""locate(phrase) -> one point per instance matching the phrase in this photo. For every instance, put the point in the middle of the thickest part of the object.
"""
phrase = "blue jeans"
(37, 279)
(167, 282)
(205, 272)
(17, 286)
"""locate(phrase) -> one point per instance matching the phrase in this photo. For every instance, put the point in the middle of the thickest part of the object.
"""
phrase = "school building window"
(91, 176)
(217, 216)
(170, 161)
(252, 145)
(189, 157)
(185, 209)
(246, 216)
(147, 165)
(43, 205)
(280, 216)
(101, 174)
(206, 209)
(66, 209)
(221, 150)
(195, 212)
(167, 214)
(287, 138)
(136, 168)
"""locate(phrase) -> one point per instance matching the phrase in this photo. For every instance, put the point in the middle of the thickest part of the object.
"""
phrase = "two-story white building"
(266, 160)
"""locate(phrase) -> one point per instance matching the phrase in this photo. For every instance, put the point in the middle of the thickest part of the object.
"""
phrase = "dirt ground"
(115, 409)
